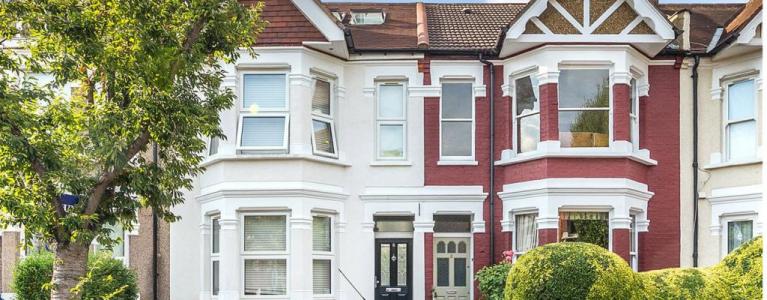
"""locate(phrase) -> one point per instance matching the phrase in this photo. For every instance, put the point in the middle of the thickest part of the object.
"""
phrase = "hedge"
(585, 271)
(491, 280)
(107, 278)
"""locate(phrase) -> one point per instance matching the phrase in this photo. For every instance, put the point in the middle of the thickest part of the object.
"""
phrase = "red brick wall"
(549, 112)
(576, 168)
(621, 243)
(287, 25)
(428, 253)
(547, 236)
(621, 106)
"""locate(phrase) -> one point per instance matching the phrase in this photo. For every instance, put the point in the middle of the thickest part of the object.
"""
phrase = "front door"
(393, 269)
(451, 268)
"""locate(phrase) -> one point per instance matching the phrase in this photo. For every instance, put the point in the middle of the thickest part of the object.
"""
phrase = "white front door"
(451, 268)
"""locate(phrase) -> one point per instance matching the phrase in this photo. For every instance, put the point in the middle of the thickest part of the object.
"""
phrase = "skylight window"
(367, 17)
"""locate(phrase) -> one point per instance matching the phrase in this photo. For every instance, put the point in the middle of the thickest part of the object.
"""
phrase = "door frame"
(470, 236)
(377, 262)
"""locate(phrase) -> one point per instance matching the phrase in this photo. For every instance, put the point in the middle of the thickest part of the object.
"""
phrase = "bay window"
(215, 238)
(633, 244)
(586, 227)
(322, 255)
(584, 108)
(525, 233)
(265, 255)
(738, 233)
(264, 112)
(740, 121)
(391, 121)
(634, 115)
(323, 129)
(457, 121)
(527, 113)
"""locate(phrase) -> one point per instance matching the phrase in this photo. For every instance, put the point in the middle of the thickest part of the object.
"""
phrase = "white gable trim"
(320, 19)
(748, 33)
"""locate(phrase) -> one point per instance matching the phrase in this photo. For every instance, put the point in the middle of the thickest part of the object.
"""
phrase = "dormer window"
(368, 17)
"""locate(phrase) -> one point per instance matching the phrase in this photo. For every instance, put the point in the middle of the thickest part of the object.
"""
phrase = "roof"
(398, 32)
(738, 21)
(470, 27)
(704, 20)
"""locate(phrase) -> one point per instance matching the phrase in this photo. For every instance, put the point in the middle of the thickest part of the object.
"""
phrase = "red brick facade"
(621, 110)
(549, 112)
(287, 25)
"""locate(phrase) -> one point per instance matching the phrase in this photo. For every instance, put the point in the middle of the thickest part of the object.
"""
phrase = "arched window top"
(441, 247)
(462, 247)
(451, 247)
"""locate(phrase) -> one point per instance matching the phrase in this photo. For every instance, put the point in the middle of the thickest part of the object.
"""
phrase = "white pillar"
(419, 262)
(365, 280)
(337, 283)
(205, 274)
(300, 263)
(229, 261)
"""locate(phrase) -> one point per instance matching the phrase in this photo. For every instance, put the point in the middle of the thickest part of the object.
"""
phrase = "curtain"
(526, 232)
(738, 233)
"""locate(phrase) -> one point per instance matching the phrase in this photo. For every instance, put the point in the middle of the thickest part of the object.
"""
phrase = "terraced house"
(390, 151)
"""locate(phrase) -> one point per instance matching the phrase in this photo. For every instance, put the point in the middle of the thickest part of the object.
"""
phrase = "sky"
(523, 1)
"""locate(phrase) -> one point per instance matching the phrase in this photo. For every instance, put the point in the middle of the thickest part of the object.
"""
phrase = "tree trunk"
(68, 268)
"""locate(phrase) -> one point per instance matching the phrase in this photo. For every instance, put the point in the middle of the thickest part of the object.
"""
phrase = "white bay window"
(264, 118)
(740, 121)
(323, 127)
(584, 108)
(457, 121)
(265, 255)
(322, 255)
(215, 238)
(391, 121)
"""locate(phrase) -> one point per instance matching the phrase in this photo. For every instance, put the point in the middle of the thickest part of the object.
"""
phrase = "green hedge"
(491, 280)
(107, 278)
(585, 271)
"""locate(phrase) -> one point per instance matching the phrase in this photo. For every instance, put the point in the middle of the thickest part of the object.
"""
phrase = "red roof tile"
(468, 26)
(398, 32)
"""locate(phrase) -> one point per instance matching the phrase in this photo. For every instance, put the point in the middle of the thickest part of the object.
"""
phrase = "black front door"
(393, 269)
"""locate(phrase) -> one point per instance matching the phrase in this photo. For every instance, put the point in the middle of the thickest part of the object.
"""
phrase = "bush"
(492, 280)
(742, 269)
(107, 278)
(571, 271)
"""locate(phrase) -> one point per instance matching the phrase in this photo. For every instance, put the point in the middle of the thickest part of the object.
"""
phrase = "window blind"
(323, 136)
(265, 277)
(390, 104)
(215, 234)
(263, 131)
(264, 90)
(265, 233)
(321, 276)
(321, 234)
(321, 99)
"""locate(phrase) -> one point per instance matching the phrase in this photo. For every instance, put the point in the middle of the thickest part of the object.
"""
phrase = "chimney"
(421, 29)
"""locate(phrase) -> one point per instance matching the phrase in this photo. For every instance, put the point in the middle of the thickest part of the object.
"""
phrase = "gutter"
(491, 188)
(695, 160)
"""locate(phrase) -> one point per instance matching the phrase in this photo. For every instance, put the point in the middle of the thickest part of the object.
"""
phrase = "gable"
(635, 22)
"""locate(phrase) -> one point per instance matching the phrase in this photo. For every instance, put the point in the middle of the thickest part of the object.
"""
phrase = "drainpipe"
(491, 189)
(156, 157)
(695, 160)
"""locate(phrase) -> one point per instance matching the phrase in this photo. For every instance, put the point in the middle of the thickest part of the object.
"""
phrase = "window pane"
(265, 233)
(321, 277)
(452, 223)
(368, 18)
(441, 247)
(265, 277)
(215, 234)
(529, 132)
(118, 250)
(584, 88)
(459, 272)
(526, 232)
(456, 139)
(633, 235)
(457, 101)
(586, 227)
(443, 272)
(264, 91)
(740, 100)
(323, 136)
(584, 128)
(741, 140)
(390, 104)
(451, 247)
(391, 142)
(393, 223)
(385, 266)
(321, 234)
(215, 277)
(213, 147)
(526, 95)
(738, 233)
(634, 97)
(263, 131)
(402, 264)
(321, 99)
(461, 247)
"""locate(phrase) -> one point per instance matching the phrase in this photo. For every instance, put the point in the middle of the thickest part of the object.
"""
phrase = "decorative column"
(338, 282)
(549, 98)
(205, 265)
(229, 261)
(621, 241)
(365, 280)
(421, 258)
(228, 146)
(300, 263)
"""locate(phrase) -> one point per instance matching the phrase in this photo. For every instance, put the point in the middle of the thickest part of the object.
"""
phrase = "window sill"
(265, 157)
(457, 163)
(509, 157)
(732, 164)
(391, 163)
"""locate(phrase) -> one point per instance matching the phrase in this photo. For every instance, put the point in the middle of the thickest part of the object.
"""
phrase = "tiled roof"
(704, 20)
(398, 32)
(744, 16)
(468, 26)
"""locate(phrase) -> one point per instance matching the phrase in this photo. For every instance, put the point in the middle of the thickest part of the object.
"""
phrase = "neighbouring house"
(389, 151)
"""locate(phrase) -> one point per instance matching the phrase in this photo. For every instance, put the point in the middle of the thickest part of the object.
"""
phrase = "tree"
(146, 73)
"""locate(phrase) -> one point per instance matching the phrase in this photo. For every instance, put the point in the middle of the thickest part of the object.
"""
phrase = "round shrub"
(492, 280)
(571, 271)
(107, 278)
(742, 269)
(32, 277)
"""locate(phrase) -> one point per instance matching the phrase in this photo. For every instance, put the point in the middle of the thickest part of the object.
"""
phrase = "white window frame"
(515, 118)
(381, 121)
(514, 215)
(592, 210)
(244, 112)
(634, 113)
(353, 21)
(265, 255)
(634, 253)
(215, 256)
(609, 108)
(725, 221)
(325, 118)
(470, 158)
(725, 114)
(325, 255)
